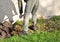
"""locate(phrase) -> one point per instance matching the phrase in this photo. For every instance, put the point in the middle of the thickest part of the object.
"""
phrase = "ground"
(44, 33)
(35, 37)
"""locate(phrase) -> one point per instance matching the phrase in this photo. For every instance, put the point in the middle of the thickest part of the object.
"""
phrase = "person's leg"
(20, 5)
(29, 6)
(34, 11)
(34, 18)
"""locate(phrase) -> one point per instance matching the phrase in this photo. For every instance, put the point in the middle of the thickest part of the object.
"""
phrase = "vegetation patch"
(48, 30)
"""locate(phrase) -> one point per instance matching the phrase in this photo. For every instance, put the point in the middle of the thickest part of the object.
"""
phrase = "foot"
(33, 27)
(23, 32)
(21, 16)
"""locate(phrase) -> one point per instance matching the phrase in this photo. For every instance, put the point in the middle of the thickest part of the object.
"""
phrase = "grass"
(38, 36)
(35, 37)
